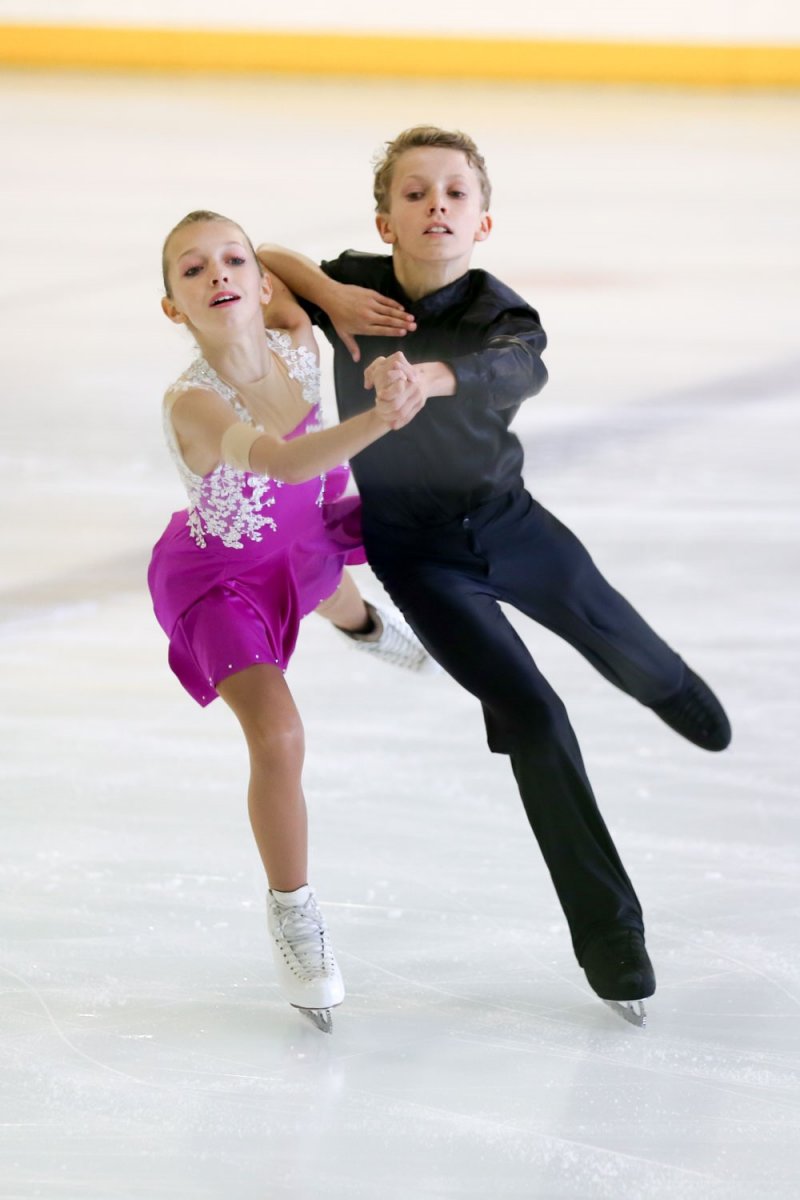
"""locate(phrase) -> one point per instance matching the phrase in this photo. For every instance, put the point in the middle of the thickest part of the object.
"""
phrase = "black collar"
(433, 303)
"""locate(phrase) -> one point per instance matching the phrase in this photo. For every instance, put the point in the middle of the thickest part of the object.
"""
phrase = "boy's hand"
(403, 387)
(388, 375)
(399, 392)
(355, 310)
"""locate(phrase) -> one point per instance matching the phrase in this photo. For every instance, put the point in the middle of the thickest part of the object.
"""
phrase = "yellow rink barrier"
(388, 55)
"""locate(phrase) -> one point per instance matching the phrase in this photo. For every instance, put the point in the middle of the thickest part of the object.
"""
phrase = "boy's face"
(436, 209)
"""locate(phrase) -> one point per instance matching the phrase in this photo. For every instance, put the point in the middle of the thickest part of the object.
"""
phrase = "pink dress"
(233, 574)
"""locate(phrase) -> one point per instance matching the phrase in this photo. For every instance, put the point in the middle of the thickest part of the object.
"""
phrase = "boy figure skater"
(450, 530)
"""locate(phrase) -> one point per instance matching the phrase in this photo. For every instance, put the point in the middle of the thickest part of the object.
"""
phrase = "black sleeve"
(508, 368)
(338, 268)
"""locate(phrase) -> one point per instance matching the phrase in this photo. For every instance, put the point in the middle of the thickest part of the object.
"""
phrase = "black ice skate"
(619, 970)
(696, 714)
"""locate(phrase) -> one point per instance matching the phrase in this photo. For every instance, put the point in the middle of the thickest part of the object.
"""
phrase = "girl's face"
(215, 281)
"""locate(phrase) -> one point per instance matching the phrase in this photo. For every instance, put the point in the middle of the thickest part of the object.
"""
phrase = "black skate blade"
(632, 1011)
(319, 1017)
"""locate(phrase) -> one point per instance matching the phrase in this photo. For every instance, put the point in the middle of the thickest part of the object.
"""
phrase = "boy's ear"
(484, 228)
(170, 310)
(384, 227)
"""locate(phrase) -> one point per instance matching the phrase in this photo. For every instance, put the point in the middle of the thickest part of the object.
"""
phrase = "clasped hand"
(398, 385)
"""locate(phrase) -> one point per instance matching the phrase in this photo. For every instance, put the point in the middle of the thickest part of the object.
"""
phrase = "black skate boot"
(696, 714)
(619, 970)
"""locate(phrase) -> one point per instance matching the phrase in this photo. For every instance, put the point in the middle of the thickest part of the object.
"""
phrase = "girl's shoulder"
(298, 351)
(199, 377)
(301, 361)
(294, 336)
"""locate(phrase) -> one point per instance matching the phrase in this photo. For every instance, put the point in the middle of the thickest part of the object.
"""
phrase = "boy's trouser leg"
(540, 567)
(454, 613)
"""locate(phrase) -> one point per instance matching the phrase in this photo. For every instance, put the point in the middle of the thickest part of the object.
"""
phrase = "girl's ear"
(266, 288)
(384, 227)
(171, 311)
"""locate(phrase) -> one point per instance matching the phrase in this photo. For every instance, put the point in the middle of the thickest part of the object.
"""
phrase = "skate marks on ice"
(467, 999)
(468, 1035)
(489, 1048)
(146, 1048)
(651, 417)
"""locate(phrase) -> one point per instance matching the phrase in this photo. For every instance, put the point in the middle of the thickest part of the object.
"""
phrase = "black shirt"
(458, 452)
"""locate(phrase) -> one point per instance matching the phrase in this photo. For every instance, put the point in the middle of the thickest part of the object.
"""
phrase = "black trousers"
(447, 581)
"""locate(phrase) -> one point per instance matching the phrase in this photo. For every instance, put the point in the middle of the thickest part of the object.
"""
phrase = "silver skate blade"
(632, 1011)
(320, 1017)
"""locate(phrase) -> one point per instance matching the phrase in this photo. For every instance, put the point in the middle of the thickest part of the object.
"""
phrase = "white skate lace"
(397, 644)
(303, 928)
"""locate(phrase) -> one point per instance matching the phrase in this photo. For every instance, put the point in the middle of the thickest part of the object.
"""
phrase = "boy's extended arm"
(504, 368)
(508, 368)
(505, 371)
(352, 309)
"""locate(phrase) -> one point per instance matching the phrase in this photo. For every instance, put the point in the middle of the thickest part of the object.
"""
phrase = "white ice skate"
(393, 641)
(301, 949)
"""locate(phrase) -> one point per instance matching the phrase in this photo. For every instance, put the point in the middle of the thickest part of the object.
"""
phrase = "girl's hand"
(357, 310)
(399, 389)
(403, 410)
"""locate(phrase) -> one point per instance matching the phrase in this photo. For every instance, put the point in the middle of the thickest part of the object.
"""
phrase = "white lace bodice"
(227, 503)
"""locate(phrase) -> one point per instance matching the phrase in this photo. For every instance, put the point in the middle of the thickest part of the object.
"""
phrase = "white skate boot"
(301, 949)
(393, 641)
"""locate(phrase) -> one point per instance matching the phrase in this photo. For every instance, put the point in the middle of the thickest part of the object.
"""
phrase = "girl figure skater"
(264, 542)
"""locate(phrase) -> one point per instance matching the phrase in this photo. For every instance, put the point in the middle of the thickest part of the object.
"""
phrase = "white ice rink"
(144, 1049)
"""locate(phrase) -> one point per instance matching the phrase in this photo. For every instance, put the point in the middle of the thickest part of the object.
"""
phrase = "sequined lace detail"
(227, 503)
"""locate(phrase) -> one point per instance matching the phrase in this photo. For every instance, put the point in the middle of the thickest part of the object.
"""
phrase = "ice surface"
(145, 1050)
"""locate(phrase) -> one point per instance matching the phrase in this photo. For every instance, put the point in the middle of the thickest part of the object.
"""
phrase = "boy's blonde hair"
(194, 218)
(426, 135)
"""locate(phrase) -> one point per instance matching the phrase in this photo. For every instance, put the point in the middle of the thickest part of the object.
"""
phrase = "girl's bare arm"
(283, 311)
(209, 433)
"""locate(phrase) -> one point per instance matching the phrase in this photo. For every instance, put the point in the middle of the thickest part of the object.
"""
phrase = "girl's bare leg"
(263, 704)
(346, 608)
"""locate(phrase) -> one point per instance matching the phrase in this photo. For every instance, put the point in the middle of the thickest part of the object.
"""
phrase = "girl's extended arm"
(304, 457)
(352, 309)
(208, 433)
